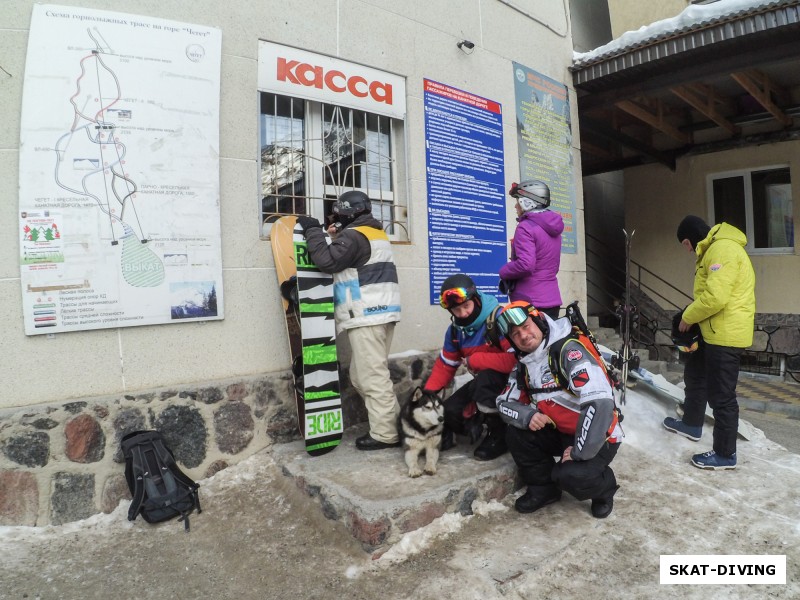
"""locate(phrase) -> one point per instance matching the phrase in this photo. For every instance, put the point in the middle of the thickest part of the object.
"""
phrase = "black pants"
(711, 374)
(533, 451)
(483, 388)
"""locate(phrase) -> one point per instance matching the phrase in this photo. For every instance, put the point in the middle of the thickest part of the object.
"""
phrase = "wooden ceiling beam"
(704, 99)
(656, 121)
(761, 87)
(595, 150)
(605, 131)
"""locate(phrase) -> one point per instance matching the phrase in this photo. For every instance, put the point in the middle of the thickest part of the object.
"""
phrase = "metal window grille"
(311, 153)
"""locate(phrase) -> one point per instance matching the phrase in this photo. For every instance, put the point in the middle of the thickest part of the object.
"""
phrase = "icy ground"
(259, 538)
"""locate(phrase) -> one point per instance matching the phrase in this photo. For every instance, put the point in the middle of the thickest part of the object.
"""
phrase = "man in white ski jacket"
(366, 298)
(559, 402)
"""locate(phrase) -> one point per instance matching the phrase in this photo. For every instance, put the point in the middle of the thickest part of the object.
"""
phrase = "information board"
(465, 182)
(544, 138)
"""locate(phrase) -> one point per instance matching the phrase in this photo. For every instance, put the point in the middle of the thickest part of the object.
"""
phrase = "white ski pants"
(369, 374)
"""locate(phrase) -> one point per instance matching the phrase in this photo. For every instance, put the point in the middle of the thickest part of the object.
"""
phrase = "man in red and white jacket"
(568, 413)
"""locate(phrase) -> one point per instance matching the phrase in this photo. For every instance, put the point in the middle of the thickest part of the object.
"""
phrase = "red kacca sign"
(299, 73)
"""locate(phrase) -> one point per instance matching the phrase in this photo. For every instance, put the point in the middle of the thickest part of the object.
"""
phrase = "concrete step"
(605, 333)
(373, 496)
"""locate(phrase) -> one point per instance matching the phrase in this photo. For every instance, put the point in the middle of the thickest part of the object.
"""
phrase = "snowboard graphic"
(308, 303)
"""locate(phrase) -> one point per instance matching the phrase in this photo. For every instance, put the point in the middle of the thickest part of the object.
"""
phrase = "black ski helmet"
(685, 341)
(351, 205)
(456, 290)
(532, 194)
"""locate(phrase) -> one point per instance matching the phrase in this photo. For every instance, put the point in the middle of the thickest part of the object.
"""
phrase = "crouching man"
(558, 402)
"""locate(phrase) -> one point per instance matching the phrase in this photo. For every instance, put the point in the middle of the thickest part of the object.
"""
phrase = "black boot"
(602, 507)
(536, 497)
(494, 444)
(448, 439)
(473, 427)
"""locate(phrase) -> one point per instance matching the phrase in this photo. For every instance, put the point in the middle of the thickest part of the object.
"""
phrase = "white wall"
(656, 199)
(416, 39)
(630, 15)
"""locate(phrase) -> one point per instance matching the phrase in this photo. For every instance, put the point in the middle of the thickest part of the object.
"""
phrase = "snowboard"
(307, 295)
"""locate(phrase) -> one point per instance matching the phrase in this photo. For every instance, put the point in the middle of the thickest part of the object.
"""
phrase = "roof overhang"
(729, 81)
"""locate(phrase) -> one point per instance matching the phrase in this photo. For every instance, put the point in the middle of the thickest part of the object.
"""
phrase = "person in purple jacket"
(530, 275)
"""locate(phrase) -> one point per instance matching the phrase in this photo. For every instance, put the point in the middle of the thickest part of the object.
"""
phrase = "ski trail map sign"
(312, 340)
(119, 172)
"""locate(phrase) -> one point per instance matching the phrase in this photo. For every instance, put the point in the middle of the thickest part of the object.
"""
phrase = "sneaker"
(681, 428)
(713, 461)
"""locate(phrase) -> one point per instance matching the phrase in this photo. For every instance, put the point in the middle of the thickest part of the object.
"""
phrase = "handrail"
(647, 326)
(640, 269)
(661, 280)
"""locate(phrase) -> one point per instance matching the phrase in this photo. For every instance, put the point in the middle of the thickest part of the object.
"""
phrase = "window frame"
(746, 175)
(318, 192)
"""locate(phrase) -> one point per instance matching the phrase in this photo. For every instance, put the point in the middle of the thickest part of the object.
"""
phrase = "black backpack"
(161, 491)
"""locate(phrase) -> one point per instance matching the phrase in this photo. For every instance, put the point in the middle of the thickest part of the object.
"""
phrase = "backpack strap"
(492, 330)
(138, 479)
(556, 359)
(165, 456)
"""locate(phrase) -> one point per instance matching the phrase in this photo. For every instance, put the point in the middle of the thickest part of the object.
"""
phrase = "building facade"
(286, 144)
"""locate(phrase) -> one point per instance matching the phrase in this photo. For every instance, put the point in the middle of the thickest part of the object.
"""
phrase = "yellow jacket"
(724, 289)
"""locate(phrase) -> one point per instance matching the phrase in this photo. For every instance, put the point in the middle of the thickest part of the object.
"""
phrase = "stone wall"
(62, 462)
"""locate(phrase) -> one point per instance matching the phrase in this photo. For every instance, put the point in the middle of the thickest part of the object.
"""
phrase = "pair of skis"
(626, 360)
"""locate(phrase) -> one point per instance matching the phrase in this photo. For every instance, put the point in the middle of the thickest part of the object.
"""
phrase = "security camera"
(465, 44)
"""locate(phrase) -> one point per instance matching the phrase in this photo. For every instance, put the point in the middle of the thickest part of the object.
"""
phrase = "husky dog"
(420, 425)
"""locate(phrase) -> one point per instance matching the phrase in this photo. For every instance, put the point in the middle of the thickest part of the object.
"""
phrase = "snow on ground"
(258, 537)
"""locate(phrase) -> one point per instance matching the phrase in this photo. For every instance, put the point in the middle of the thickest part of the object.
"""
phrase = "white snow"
(664, 506)
(691, 15)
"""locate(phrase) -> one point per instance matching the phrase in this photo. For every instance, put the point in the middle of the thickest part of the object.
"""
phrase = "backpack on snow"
(161, 491)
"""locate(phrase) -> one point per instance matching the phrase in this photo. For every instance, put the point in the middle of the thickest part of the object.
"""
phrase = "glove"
(506, 287)
(307, 222)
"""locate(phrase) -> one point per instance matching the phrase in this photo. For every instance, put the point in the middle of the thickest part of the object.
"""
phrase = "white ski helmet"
(531, 195)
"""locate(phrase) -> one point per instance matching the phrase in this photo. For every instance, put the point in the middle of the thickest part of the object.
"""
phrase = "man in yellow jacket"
(724, 307)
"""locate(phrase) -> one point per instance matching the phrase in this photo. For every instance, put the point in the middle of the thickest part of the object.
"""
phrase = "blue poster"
(466, 181)
(544, 138)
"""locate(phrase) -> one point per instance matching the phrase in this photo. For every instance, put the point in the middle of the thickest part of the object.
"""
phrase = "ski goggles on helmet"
(687, 346)
(688, 349)
(513, 316)
(453, 297)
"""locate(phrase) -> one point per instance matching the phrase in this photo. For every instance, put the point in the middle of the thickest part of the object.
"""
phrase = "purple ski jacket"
(535, 259)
